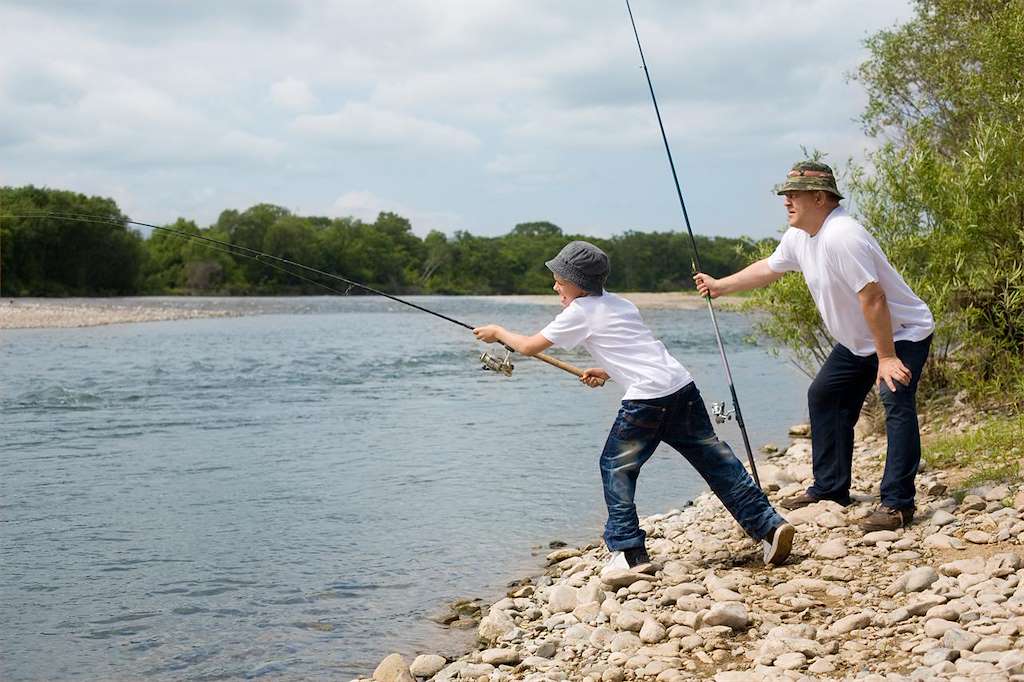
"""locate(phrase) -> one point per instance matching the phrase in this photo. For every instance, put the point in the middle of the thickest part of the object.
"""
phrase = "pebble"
(942, 518)
(730, 614)
(832, 549)
(978, 537)
(852, 622)
(427, 665)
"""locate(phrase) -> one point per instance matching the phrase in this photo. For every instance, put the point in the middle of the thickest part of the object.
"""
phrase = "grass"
(993, 452)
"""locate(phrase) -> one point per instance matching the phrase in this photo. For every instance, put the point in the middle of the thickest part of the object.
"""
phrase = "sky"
(468, 115)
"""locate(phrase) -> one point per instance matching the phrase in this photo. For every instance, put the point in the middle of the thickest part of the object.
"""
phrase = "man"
(883, 333)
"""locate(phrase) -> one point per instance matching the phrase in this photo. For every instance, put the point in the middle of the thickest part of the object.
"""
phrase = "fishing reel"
(720, 413)
(491, 363)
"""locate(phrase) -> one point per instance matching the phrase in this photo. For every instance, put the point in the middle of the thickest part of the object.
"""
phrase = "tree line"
(47, 248)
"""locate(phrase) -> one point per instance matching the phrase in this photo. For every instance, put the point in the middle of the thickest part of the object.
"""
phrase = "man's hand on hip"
(892, 370)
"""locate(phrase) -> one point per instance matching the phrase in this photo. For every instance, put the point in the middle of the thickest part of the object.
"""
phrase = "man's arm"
(527, 345)
(755, 275)
(876, 314)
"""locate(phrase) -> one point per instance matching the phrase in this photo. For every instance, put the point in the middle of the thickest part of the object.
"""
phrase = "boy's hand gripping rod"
(719, 409)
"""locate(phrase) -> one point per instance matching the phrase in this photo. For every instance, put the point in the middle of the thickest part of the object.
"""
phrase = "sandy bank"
(37, 313)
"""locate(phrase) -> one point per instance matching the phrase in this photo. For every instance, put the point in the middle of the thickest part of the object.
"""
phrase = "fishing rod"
(488, 360)
(720, 413)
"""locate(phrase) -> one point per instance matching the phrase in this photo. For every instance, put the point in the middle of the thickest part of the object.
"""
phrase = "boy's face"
(567, 291)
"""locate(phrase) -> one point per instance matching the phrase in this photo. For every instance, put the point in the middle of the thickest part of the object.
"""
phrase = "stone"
(682, 589)
(500, 657)
(942, 518)
(562, 599)
(973, 503)
(617, 578)
(560, 555)
(920, 578)
(476, 670)
(997, 493)
(993, 644)
(938, 627)
(726, 595)
(958, 639)
(856, 621)
(427, 665)
(955, 568)
(393, 669)
(832, 549)
(830, 520)
(495, 625)
(625, 642)
(893, 617)
(791, 661)
(590, 593)
(821, 667)
(549, 647)
(652, 632)
(629, 620)
(730, 614)
(943, 541)
(939, 655)
(874, 537)
(978, 537)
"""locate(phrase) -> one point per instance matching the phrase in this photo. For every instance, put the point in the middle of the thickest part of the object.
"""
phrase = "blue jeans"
(834, 401)
(680, 420)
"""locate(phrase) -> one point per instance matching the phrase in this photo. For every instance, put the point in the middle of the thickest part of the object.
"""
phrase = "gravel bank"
(942, 599)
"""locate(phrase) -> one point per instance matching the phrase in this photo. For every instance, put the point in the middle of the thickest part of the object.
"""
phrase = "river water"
(290, 495)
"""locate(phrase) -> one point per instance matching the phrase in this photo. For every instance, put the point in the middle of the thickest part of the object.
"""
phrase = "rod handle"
(560, 364)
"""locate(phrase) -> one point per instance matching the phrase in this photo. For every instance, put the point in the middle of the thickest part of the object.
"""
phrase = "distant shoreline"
(54, 313)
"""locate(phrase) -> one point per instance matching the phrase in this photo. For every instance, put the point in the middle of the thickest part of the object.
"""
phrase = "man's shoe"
(805, 499)
(887, 518)
(778, 547)
(632, 559)
(798, 501)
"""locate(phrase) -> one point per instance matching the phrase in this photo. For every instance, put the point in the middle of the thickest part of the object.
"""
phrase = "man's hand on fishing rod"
(755, 275)
(707, 285)
(527, 345)
(594, 377)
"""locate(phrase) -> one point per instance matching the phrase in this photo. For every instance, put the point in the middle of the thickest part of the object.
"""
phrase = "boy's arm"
(527, 345)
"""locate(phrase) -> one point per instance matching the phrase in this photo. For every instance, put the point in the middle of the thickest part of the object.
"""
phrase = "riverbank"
(38, 313)
(942, 599)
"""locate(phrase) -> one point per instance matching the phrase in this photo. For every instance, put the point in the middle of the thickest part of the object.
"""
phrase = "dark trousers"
(834, 400)
(681, 421)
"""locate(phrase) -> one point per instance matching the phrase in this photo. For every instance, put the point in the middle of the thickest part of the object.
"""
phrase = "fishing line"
(500, 365)
(719, 410)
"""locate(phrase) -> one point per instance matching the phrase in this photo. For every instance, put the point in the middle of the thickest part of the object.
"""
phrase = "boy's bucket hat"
(809, 176)
(583, 264)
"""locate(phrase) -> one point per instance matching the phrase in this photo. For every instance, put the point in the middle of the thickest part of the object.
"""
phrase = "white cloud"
(483, 110)
(358, 124)
(292, 94)
(365, 205)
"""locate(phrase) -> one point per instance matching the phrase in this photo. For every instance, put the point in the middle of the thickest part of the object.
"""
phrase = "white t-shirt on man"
(612, 331)
(839, 261)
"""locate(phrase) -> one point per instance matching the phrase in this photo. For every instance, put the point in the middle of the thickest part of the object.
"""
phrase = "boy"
(661, 403)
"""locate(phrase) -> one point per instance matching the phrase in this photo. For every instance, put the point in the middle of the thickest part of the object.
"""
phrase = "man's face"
(807, 210)
(567, 291)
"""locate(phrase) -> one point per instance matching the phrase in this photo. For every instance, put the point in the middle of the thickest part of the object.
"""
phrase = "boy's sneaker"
(777, 548)
(632, 559)
(887, 518)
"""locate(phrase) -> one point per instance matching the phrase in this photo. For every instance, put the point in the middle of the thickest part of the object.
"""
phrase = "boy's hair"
(583, 264)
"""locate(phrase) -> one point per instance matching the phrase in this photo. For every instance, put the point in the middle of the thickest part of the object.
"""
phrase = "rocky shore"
(942, 599)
